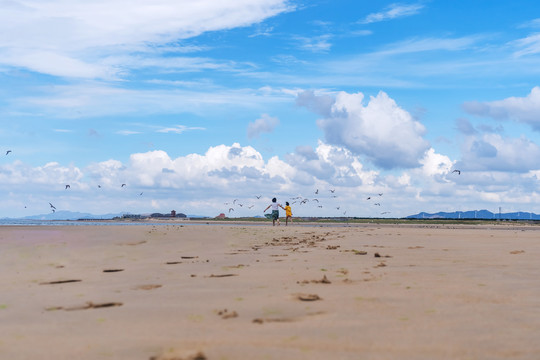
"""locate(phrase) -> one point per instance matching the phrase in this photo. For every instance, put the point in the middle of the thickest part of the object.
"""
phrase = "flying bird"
(317, 200)
(123, 185)
(332, 190)
(377, 204)
(140, 194)
(231, 209)
(317, 191)
(7, 152)
(52, 206)
(380, 194)
(369, 197)
(68, 187)
(458, 172)
(258, 197)
(249, 207)
(338, 207)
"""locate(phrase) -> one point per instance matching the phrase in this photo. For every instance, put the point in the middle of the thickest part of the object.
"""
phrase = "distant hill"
(70, 215)
(476, 214)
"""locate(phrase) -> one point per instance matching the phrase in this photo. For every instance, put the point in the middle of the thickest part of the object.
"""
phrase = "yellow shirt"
(288, 211)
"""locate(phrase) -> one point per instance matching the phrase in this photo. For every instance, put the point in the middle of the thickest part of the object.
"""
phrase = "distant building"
(221, 216)
(173, 213)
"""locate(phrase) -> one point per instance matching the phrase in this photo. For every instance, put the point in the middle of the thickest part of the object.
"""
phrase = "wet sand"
(172, 292)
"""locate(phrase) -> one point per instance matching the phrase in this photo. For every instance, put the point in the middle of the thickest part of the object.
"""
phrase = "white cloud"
(74, 38)
(529, 45)
(522, 109)
(492, 152)
(179, 129)
(317, 44)
(393, 11)
(435, 164)
(265, 124)
(381, 131)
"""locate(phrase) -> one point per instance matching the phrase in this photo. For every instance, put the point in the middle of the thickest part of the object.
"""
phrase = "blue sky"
(198, 106)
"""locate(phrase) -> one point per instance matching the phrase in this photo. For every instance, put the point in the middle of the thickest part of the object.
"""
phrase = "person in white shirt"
(275, 211)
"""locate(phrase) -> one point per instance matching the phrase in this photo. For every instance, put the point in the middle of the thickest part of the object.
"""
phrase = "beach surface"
(176, 292)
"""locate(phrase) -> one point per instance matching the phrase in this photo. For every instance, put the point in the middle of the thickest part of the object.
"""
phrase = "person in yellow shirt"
(288, 213)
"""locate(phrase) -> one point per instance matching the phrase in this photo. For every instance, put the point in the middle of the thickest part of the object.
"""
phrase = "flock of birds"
(300, 200)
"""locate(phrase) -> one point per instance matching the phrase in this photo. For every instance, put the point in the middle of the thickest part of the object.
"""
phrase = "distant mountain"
(476, 214)
(70, 215)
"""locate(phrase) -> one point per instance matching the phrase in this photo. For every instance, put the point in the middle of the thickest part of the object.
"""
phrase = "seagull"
(458, 172)
(99, 186)
(249, 207)
(231, 209)
(369, 197)
(320, 206)
(380, 194)
(332, 190)
(338, 207)
(7, 152)
(52, 206)
(68, 187)
(377, 204)
(258, 197)
(123, 185)
(140, 194)
(317, 191)
(234, 201)
(317, 200)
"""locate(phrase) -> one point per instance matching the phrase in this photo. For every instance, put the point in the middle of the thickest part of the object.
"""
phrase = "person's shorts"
(275, 214)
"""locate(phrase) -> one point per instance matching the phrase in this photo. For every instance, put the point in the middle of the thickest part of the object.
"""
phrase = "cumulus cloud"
(521, 109)
(265, 124)
(393, 11)
(493, 152)
(381, 131)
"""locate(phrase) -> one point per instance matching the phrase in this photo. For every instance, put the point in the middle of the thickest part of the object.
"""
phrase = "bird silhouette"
(258, 197)
(231, 209)
(369, 197)
(52, 206)
(458, 172)
(317, 191)
(123, 185)
(380, 194)
(332, 190)
(7, 152)
(68, 187)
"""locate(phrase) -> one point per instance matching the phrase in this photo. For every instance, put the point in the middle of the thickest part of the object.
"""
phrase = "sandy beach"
(173, 291)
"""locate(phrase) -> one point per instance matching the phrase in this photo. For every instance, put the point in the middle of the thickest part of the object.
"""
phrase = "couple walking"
(275, 212)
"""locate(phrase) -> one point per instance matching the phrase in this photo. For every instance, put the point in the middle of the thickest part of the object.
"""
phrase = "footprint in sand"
(148, 287)
(180, 355)
(308, 297)
(324, 280)
(59, 282)
(225, 314)
(89, 305)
